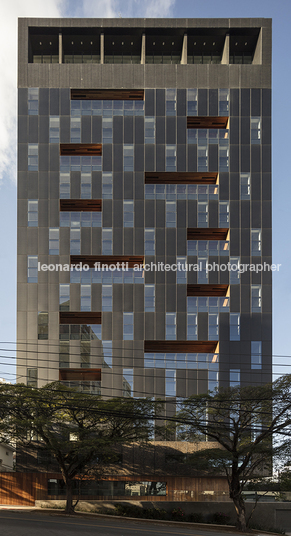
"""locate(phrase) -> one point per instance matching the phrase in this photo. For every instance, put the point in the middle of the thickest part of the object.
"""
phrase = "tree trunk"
(69, 499)
(240, 514)
(235, 493)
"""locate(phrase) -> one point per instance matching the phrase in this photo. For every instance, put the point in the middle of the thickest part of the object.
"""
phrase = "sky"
(279, 11)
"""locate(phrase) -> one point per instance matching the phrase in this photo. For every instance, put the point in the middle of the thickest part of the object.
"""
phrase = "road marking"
(101, 526)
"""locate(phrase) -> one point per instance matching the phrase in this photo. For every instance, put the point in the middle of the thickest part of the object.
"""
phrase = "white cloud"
(131, 8)
(10, 10)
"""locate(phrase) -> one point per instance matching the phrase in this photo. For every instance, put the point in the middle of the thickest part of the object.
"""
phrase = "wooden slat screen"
(181, 346)
(207, 290)
(83, 317)
(90, 260)
(207, 233)
(107, 94)
(82, 374)
(207, 122)
(80, 149)
(82, 205)
(185, 177)
(24, 488)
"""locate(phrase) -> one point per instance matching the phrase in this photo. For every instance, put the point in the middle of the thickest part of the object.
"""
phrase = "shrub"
(131, 510)
(178, 514)
(195, 518)
(220, 518)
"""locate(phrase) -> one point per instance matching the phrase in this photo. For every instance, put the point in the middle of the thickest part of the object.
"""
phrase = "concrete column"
(225, 53)
(60, 48)
(143, 49)
(102, 48)
(257, 59)
(184, 50)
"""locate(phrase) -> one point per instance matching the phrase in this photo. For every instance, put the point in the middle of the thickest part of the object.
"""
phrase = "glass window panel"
(127, 326)
(128, 158)
(192, 247)
(223, 101)
(128, 214)
(192, 101)
(256, 298)
(64, 299)
(33, 100)
(65, 185)
(245, 186)
(149, 360)
(202, 152)
(192, 327)
(107, 128)
(171, 98)
(42, 321)
(171, 157)
(256, 242)
(150, 129)
(32, 377)
(256, 355)
(54, 129)
(127, 382)
(192, 304)
(255, 130)
(202, 214)
(32, 157)
(170, 326)
(223, 156)
(86, 181)
(149, 241)
(106, 297)
(170, 214)
(203, 273)
(234, 274)
(32, 269)
(223, 214)
(107, 245)
(75, 129)
(85, 297)
(234, 377)
(107, 185)
(150, 191)
(149, 298)
(54, 241)
(107, 354)
(181, 271)
(170, 381)
(234, 327)
(32, 213)
(213, 327)
(75, 241)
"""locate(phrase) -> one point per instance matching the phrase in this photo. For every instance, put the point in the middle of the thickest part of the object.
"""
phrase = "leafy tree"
(77, 429)
(248, 427)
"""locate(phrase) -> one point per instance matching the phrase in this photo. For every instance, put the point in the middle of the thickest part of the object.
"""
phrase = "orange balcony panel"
(207, 122)
(185, 177)
(83, 374)
(90, 260)
(80, 149)
(194, 347)
(80, 317)
(107, 94)
(207, 290)
(207, 233)
(82, 205)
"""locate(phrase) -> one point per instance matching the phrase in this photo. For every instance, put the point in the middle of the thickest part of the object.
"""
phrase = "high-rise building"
(145, 142)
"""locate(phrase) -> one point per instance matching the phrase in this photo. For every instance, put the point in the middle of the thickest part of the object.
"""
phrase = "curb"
(185, 524)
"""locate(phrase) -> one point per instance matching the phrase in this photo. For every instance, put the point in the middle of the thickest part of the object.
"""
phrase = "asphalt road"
(14, 523)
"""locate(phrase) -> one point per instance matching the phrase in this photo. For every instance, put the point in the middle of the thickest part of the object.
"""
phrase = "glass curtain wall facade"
(154, 154)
